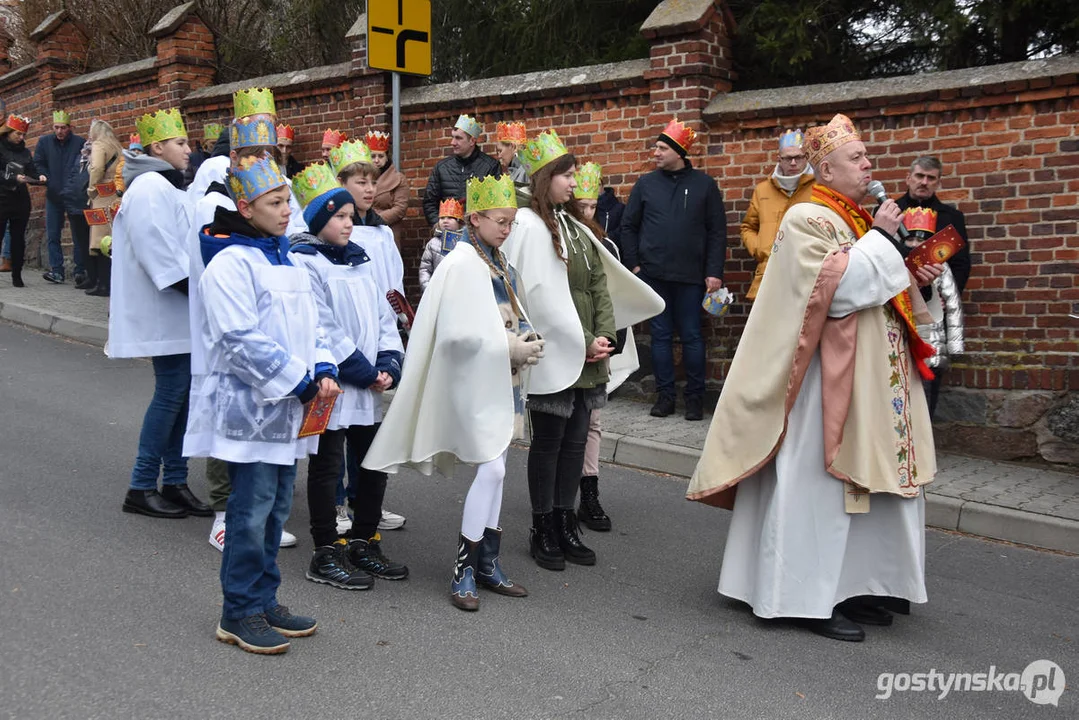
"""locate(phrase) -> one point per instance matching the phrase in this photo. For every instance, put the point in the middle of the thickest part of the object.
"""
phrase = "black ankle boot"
(543, 543)
(591, 512)
(569, 540)
(104, 277)
(89, 278)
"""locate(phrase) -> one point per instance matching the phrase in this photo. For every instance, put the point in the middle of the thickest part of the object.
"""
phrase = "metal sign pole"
(397, 120)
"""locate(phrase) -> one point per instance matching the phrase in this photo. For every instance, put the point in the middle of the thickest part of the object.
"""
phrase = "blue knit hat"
(319, 211)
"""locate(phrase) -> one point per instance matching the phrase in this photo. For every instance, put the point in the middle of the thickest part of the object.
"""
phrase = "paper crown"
(253, 177)
(378, 141)
(588, 177)
(333, 138)
(18, 122)
(253, 101)
(541, 150)
(348, 153)
(61, 117)
(286, 132)
(161, 125)
(490, 193)
(821, 140)
(134, 139)
(451, 207)
(791, 139)
(251, 132)
(919, 218)
(314, 180)
(469, 125)
(511, 132)
(679, 134)
(212, 131)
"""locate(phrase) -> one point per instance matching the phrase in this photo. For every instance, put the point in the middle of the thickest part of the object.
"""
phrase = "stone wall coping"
(18, 74)
(985, 80)
(48, 25)
(172, 20)
(676, 16)
(358, 29)
(466, 91)
(98, 77)
(278, 83)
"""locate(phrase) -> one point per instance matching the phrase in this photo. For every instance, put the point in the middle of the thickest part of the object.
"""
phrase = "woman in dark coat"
(16, 169)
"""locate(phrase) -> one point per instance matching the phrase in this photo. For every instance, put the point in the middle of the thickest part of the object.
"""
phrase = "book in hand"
(316, 416)
(939, 248)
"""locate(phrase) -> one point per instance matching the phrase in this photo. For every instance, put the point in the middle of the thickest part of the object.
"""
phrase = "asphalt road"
(109, 615)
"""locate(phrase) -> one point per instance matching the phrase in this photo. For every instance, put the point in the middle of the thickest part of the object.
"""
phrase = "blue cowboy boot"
(489, 572)
(463, 592)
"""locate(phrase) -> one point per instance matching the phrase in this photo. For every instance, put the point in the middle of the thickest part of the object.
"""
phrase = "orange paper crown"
(134, 139)
(511, 132)
(18, 122)
(919, 218)
(681, 135)
(286, 132)
(378, 141)
(821, 140)
(451, 208)
(333, 138)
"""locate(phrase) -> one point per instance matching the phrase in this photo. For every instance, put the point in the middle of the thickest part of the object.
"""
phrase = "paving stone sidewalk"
(1008, 501)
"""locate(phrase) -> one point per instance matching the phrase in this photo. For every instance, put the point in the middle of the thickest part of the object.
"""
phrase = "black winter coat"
(675, 226)
(450, 176)
(947, 215)
(609, 210)
(14, 195)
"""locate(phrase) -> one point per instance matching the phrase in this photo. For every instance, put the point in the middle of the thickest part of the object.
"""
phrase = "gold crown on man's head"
(822, 140)
(253, 101)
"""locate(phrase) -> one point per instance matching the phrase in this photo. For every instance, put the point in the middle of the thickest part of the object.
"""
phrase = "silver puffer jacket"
(945, 334)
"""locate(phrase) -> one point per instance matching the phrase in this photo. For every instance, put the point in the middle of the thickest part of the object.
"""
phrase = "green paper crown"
(253, 177)
(490, 193)
(212, 131)
(541, 150)
(314, 180)
(589, 179)
(162, 125)
(253, 101)
(61, 117)
(349, 152)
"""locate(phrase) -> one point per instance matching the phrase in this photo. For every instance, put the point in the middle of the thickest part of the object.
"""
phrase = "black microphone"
(876, 189)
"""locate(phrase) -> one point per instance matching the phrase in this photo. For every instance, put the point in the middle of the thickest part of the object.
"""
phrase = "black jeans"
(556, 456)
(14, 216)
(322, 472)
(932, 392)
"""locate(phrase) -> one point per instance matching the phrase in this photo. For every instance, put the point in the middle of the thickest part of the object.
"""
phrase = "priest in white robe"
(822, 438)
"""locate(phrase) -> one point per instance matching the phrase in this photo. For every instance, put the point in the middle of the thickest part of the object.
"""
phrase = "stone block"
(1063, 420)
(961, 405)
(990, 442)
(657, 456)
(1022, 409)
(941, 511)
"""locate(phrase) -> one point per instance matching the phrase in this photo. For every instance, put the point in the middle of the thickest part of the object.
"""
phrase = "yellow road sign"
(399, 36)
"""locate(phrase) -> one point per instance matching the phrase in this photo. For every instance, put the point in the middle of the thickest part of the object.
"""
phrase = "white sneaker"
(344, 522)
(391, 521)
(287, 539)
(217, 533)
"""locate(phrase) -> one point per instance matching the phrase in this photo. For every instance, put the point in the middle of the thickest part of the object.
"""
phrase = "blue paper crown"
(791, 138)
(253, 177)
(252, 132)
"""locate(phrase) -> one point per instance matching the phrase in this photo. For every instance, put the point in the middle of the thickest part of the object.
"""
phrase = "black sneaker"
(289, 625)
(664, 406)
(54, 278)
(367, 555)
(330, 565)
(694, 407)
(252, 634)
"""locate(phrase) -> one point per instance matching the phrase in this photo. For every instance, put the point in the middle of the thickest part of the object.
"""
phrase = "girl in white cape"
(460, 396)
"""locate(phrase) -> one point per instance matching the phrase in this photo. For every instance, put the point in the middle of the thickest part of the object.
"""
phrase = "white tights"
(484, 500)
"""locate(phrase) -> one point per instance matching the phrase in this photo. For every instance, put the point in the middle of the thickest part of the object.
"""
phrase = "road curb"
(74, 328)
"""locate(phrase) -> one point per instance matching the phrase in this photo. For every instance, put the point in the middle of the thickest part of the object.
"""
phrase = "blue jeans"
(6, 251)
(80, 238)
(258, 506)
(161, 441)
(682, 311)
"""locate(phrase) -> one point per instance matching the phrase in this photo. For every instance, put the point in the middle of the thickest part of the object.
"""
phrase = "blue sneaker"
(252, 634)
(55, 278)
(289, 625)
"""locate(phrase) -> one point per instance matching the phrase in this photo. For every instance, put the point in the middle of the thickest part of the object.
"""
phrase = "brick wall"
(1006, 134)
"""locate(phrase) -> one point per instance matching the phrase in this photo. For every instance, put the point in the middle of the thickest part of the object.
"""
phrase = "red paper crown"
(134, 139)
(919, 218)
(333, 138)
(451, 208)
(511, 132)
(286, 132)
(378, 141)
(679, 133)
(18, 122)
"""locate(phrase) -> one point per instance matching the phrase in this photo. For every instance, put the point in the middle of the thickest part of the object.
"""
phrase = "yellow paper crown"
(161, 125)
(589, 178)
(253, 101)
(314, 180)
(541, 150)
(821, 140)
(348, 153)
(212, 131)
(490, 193)
(61, 117)
(253, 177)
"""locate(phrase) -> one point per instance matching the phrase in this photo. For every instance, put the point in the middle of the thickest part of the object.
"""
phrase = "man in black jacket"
(922, 185)
(57, 156)
(674, 235)
(450, 175)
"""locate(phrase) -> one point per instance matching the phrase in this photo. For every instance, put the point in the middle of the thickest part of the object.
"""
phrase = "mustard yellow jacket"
(761, 222)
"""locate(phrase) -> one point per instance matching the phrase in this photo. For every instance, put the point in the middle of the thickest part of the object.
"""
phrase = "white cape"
(455, 398)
